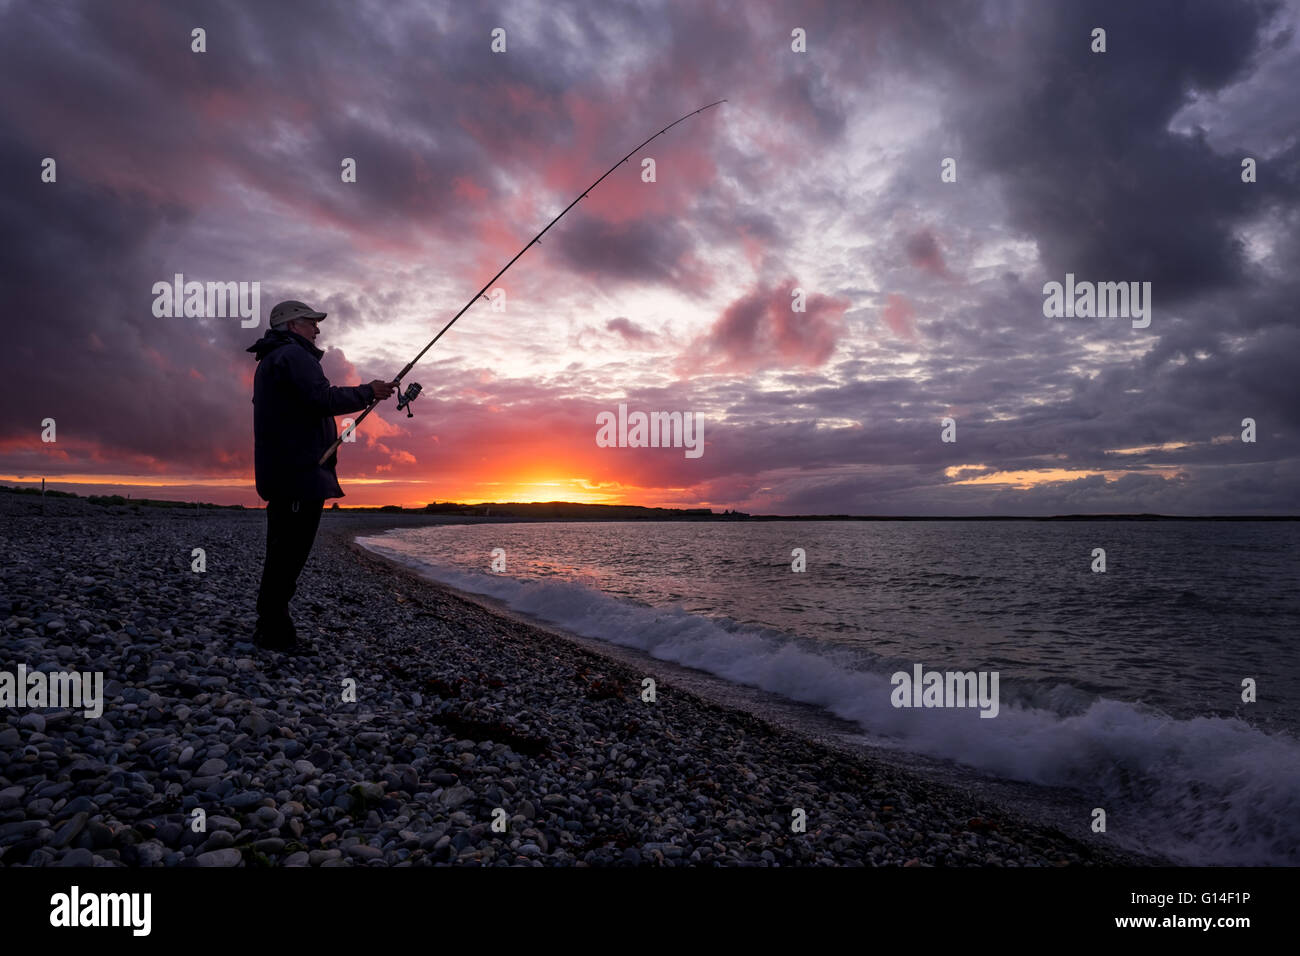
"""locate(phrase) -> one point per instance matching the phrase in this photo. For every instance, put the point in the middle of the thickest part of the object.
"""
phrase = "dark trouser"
(290, 531)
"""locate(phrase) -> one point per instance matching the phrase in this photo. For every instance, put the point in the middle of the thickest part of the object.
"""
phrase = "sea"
(1164, 690)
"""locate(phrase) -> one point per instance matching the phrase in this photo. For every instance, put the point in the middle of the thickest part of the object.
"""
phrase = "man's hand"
(383, 390)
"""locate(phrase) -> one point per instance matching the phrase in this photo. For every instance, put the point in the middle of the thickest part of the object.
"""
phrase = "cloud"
(899, 315)
(1083, 145)
(923, 252)
(632, 333)
(762, 330)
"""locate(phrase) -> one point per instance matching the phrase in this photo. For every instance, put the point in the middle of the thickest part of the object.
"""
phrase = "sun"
(543, 489)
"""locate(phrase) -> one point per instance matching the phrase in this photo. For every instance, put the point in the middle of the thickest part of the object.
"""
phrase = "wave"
(1209, 790)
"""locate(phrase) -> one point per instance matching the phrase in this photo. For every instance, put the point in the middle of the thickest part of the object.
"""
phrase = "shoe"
(275, 626)
(274, 642)
(287, 645)
(280, 638)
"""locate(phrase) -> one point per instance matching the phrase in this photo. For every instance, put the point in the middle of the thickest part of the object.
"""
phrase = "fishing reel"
(404, 401)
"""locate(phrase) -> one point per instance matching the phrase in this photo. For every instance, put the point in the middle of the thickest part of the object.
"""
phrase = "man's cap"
(292, 309)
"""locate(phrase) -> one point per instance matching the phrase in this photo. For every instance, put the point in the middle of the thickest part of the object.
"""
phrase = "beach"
(423, 729)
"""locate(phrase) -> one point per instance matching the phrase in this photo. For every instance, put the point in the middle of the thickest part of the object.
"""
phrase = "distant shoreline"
(576, 511)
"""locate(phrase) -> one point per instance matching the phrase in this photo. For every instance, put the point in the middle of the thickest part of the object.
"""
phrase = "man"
(293, 424)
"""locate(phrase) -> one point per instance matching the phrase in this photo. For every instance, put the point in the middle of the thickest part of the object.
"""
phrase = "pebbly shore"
(461, 717)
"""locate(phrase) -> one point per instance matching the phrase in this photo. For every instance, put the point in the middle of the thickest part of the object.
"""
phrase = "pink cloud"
(899, 315)
(761, 330)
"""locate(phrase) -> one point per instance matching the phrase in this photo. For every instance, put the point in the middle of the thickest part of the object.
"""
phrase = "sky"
(818, 183)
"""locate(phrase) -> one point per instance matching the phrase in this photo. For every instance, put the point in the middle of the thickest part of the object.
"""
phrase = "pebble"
(70, 829)
(256, 725)
(228, 857)
(211, 767)
(151, 854)
(219, 840)
(269, 818)
(34, 722)
(455, 796)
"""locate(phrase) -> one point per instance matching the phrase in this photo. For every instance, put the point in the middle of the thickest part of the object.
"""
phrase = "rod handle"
(329, 452)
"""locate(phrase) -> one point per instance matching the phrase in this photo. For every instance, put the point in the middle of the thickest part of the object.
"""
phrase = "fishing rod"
(413, 390)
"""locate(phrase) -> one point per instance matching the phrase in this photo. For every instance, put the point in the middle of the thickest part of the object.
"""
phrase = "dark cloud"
(923, 252)
(638, 251)
(632, 333)
(1082, 144)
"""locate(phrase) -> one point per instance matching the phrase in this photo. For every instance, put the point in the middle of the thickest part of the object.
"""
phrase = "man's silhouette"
(293, 424)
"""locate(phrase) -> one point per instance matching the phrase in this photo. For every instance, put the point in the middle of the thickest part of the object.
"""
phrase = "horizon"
(883, 278)
(829, 516)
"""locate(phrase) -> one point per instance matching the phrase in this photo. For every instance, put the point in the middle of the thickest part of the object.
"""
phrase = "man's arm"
(304, 374)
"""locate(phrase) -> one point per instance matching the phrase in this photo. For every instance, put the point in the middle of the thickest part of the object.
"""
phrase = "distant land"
(576, 511)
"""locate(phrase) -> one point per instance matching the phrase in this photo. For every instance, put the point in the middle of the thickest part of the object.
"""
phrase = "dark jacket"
(293, 418)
